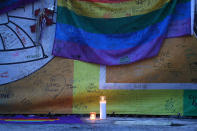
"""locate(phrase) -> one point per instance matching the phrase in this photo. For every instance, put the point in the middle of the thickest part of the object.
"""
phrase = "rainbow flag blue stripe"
(117, 39)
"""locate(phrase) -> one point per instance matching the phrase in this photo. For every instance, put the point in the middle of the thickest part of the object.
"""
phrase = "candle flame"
(102, 98)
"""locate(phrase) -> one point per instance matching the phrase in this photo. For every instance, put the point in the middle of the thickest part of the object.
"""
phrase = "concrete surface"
(111, 125)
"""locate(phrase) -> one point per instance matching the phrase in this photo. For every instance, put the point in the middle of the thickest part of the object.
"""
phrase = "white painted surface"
(19, 55)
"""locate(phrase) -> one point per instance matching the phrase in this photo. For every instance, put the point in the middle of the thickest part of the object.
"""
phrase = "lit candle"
(92, 115)
(102, 107)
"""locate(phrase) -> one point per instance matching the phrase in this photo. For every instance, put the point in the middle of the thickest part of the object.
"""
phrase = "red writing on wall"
(22, 37)
(4, 75)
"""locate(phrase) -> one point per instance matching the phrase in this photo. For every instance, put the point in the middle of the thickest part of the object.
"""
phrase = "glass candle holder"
(92, 115)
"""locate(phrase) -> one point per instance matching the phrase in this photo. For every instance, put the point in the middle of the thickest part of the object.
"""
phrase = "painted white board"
(20, 56)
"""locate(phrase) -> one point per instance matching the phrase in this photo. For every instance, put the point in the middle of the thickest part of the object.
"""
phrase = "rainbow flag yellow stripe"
(28, 120)
(112, 10)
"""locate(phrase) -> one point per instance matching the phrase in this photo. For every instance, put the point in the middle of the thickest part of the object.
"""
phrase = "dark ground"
(114, 123)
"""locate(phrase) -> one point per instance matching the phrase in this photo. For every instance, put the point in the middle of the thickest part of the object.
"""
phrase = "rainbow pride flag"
(20, 119)
(114, 32)
(7, 5)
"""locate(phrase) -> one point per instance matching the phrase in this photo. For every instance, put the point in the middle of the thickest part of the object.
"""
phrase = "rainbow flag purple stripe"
(121, 40)
(7, 5)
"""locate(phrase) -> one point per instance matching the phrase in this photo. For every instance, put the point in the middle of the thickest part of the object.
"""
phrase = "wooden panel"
(176, 63)
(47, 90)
